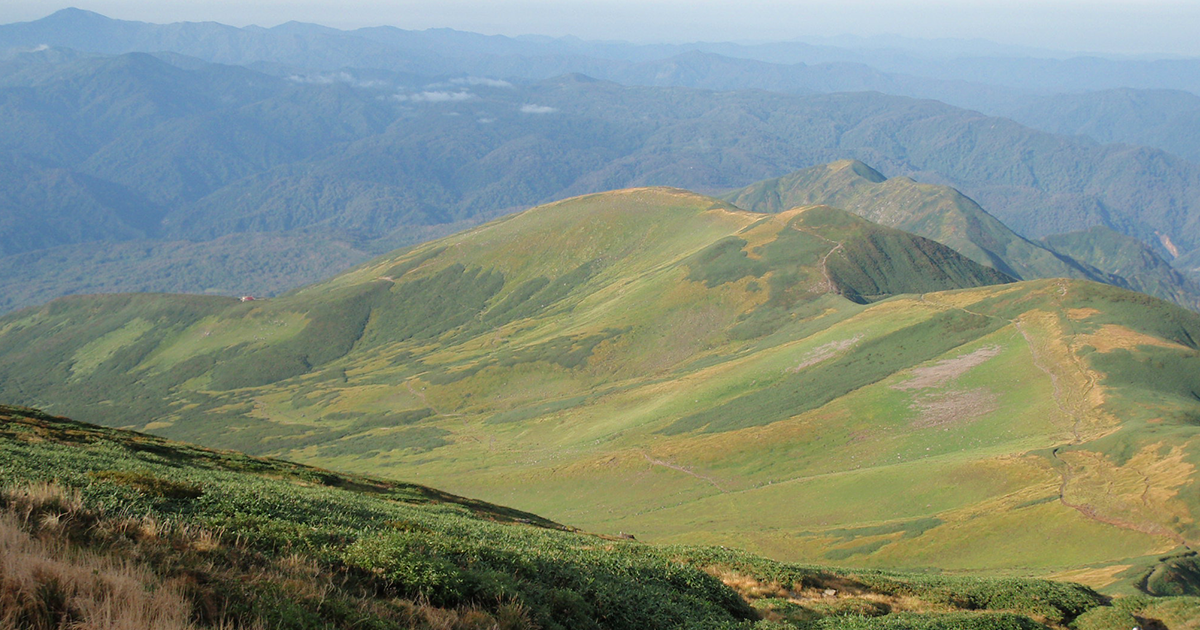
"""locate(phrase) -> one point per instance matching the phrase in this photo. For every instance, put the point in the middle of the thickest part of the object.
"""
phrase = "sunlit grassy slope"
(805, 384)
(108, 528)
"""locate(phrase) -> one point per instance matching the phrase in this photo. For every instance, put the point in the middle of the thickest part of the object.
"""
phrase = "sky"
(1105, 26)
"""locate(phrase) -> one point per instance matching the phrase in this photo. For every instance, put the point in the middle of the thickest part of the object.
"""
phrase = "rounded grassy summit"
(806, 384)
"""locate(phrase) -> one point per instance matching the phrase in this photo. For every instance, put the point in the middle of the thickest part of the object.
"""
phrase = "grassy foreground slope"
(106, 528)
(806, 384)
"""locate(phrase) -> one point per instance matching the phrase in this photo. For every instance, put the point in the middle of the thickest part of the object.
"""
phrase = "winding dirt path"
(830, 287)
(1076, 415)
(685, 470)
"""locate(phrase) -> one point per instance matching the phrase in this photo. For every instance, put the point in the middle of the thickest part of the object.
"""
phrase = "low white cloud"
(497, 83)
(531, 108)
(435, 97)
(338, 77)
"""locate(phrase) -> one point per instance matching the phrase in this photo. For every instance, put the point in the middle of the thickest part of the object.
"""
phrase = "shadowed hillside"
(946, 216)
(936, 212)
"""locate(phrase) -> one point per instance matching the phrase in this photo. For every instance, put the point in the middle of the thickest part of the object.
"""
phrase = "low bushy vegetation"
(110, 529)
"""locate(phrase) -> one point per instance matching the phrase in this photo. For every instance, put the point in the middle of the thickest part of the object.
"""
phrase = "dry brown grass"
(50, 586)
(1111, 337)
(751, 588)
(65, 567)
(823, 595)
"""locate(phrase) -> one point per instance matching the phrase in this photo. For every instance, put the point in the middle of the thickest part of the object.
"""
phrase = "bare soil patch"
(825, 352)
(945, 371)
(953, 407)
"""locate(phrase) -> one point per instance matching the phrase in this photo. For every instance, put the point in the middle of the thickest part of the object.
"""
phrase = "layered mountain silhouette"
(152, 151)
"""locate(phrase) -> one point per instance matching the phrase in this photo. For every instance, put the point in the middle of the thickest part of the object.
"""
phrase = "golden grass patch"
(1095, 577)
(1080, 314)
(1111, 337)
(1140, 495)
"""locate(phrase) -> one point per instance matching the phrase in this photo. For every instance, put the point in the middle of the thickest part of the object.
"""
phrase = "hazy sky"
(1115, 26)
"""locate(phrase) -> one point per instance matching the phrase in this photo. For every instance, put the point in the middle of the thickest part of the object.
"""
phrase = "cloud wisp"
(484, 81)
(436, 97)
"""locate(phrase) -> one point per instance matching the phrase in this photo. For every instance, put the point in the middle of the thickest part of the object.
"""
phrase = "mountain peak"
(574, 77)
(858, 168)
(73, 15)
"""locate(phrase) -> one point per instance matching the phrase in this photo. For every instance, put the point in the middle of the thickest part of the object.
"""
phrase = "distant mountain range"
(136, 147)
(1167, 119)
(932, 65)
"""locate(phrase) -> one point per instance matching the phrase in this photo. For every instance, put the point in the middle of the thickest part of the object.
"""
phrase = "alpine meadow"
(303, 327)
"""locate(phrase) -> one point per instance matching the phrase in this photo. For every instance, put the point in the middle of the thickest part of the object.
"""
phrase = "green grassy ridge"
(939, 213)
(360, 311)
(947, 216)
(656, 361)
(383, 539)
(876, 262)
(1139, 266)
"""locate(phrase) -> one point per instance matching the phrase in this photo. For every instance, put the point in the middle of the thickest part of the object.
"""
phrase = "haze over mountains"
(123, 164)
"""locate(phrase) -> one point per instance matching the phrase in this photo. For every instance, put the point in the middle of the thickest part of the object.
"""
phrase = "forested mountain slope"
(132, 148)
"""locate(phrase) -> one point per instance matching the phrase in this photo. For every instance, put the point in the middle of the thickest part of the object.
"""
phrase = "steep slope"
(948, 217)
(538, 264)
(807, 384)
(935, 212)
(1140, 268)
(104, 526)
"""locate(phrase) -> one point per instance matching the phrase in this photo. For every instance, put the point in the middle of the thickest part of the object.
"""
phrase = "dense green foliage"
(234, 524)
(1167, 119)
